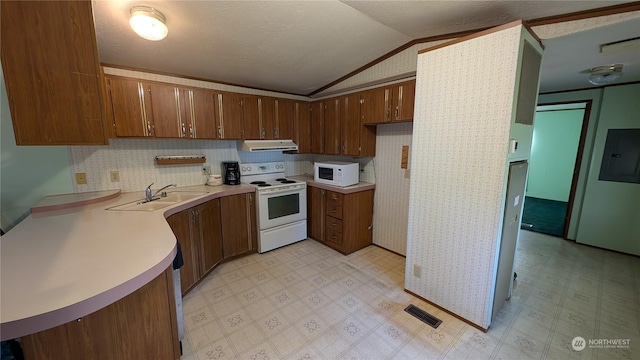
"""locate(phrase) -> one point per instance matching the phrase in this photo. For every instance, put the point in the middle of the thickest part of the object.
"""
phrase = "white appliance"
(281, 205)
(336, 173)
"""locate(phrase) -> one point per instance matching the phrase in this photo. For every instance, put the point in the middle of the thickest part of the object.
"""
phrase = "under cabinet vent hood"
(267, 145)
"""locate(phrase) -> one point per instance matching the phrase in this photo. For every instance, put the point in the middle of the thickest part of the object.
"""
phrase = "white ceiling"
(300, 46)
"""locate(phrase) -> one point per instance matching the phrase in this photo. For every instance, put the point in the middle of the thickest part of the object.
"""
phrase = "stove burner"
(263, 184)
(281, 179)
(257, 182)
(285, 181)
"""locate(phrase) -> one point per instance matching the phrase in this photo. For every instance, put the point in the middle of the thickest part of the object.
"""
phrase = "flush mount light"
(602, 75)
(148, 23)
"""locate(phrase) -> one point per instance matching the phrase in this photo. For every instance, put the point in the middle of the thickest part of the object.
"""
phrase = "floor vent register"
(423, 316)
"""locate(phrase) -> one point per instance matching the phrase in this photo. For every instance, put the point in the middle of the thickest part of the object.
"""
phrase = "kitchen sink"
(172, 198)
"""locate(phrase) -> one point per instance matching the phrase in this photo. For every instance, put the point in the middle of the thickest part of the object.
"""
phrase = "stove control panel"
(261, 168)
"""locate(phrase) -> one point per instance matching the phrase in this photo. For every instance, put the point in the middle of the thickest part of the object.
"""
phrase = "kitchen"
(132, 159)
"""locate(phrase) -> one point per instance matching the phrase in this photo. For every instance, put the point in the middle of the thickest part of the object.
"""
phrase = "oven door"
(277, 208)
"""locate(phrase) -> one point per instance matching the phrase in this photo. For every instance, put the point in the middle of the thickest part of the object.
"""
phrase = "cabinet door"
(350, 134)
(405, 98)
(251, 116)
(236, 229)
(302, 127)
(229, 118)
(132, 114)
(267, 118)
(167, 106)
(375, 106)
(332, 127)
(317, 127)
(211, 235)
(285, 114)
(315, 212)
(181, 224)
(201, 114)
(52, 73)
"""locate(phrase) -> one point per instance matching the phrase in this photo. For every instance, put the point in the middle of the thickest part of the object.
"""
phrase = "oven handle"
(278, 193)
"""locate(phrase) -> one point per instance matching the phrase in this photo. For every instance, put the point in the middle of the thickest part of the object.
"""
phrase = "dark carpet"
(544, 216)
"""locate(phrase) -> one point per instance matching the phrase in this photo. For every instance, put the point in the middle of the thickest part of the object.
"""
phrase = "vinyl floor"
(306, 301)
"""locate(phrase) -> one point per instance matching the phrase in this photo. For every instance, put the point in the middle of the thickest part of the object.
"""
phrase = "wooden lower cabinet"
(238, 217)
(210, 232)
(141, 325)
(343, 222)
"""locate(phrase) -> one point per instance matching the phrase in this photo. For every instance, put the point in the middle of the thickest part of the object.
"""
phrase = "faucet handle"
(149, 187)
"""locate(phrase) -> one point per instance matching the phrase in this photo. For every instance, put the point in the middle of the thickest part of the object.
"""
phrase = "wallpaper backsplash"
(134, 160)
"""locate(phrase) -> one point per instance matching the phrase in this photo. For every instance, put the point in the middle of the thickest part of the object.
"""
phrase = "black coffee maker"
(231, 172)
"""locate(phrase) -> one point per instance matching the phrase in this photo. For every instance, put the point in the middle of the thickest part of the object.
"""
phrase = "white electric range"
(281, 207)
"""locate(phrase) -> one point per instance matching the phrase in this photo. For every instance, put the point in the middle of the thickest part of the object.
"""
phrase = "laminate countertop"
(361, 186)
(76, 257)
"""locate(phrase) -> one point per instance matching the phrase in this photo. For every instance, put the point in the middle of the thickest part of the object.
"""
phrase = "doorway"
(556, 153)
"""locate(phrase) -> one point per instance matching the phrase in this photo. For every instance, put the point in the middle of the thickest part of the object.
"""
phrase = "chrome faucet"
(149, 196)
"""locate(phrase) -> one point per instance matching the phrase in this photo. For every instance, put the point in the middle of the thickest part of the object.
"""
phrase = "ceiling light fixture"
(148, 23)
(602, 75)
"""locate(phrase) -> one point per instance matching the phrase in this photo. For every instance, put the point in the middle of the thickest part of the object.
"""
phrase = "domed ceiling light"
(602, 75)
(148, 23)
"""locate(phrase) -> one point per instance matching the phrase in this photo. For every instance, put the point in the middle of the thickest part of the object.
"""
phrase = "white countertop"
(62, 264)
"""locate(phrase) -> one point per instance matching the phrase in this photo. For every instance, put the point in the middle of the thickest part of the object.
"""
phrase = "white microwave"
(336, 173)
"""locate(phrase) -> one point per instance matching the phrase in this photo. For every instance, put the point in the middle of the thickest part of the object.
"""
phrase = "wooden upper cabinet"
(302, 127)
(229, 116)
(350, 133)
(404, 98)
(259, 117)
(130, 107)
(317, 127)
(285, 113)
(376, 107)
(251, 117)
(332, 126)
(182, 112)
(267, 118)
(389, 103)
(52, 72)
(202, 113)
(166, 109)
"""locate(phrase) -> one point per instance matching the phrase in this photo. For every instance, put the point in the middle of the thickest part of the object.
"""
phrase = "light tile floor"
(306, 301)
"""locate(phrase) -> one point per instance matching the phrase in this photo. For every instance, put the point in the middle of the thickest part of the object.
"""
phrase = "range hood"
(267, 145)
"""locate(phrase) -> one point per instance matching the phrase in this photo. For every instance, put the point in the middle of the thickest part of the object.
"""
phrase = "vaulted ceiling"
(296, 46)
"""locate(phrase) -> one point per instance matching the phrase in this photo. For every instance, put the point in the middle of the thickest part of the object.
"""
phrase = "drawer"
(333, 224)
(334, 211)
(333, 237)
(334, 198)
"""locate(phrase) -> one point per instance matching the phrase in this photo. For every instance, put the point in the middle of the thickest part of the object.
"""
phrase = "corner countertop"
(361, 186)
(67, 262)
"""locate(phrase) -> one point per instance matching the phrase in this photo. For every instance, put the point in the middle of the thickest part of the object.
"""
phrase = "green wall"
(27, 173)
(556, 135)
(610, 214)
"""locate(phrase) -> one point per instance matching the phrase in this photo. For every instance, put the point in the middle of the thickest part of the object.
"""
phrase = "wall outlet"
(81, 178)
(206, 170)
(417, 271)
(115, 176)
